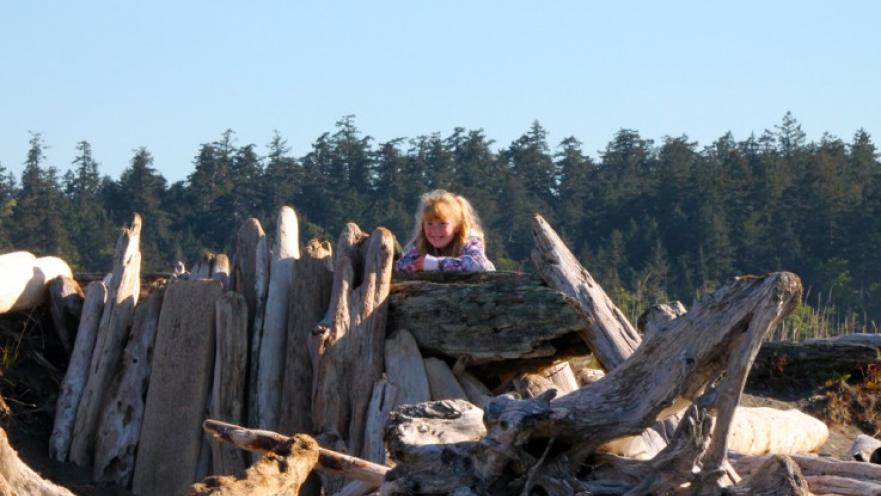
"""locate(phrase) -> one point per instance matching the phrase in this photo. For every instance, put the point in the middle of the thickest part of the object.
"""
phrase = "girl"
(447, 237)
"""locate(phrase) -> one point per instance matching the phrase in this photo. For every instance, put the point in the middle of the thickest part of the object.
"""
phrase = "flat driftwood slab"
(499, 316)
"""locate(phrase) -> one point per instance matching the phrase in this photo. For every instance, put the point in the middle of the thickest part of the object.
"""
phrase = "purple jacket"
(473, 259)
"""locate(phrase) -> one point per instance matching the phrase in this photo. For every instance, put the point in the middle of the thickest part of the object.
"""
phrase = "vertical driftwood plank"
(381, 403)
(612, 337)
(65, 306)
(405, 368)
(120, 426)
(261, 287)
(562, 376)
(476, 391)
(272, 345)
(230, 372)
(183, 359)
(122, 296)
(310, 293)
(442, 382)
(77, 371)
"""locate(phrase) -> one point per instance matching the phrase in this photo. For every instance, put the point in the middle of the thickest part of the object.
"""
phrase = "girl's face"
(438, 232)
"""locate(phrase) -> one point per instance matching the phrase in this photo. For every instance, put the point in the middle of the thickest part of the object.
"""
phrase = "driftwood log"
(824, 475)
(25, 278)
(120, 427)
(718, 338)
(499, 316)
(77, 372)
(280, 471)
(122, 296)
(353, 332)
(310, 294)
(812, 360)
(230, 375)
(182, 367)
(275, 323)
(760, 431)
(611, 336)
(865, 449)
(17, 479)
(405, 368)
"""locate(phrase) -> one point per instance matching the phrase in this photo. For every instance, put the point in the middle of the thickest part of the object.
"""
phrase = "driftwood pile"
(467, 384)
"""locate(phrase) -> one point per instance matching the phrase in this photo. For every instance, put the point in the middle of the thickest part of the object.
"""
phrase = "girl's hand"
(419, 263)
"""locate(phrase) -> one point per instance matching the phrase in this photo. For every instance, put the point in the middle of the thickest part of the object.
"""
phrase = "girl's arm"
(473, 259)
(407, 262)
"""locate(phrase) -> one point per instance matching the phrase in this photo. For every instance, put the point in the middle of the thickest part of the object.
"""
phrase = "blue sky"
(172, 75)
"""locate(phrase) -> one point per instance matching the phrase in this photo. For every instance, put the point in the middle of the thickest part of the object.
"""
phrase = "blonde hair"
(446, 206)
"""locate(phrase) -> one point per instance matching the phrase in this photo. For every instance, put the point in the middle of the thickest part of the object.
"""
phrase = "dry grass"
(856, 401)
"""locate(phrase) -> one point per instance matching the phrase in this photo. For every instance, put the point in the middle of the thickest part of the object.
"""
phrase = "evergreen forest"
(653, 221)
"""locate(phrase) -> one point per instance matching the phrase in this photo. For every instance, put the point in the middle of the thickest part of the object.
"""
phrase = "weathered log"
(865, 449)
(824, 475)
(261, 278)
(778, 476)
(330, 462)
(441, 381)
(353, 331)
(275, 323)
(717, 338)
(230, 374)
(77, 372)
(382, 401)
(610, 335)
(561, 375)
(761, 430)
(431, 426)
(531, 385)
(123, 290)
(220, 270)
(406, 369)
(25, 278)
(280, 471)
(499, 316)
(657, 317)
(809, 361)
(16, 478)
(310, 293)
(183, 358)
(120, 426)
(65, 307)
(476, 391)
(251, 241)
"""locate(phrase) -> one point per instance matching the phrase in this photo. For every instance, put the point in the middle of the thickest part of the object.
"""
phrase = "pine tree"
(142, 189)
(90, 229)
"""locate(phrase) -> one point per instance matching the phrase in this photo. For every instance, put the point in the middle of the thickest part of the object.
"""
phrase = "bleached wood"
(476, 391)
(65, 306)
(18, 479)
(275, 324)
(220, 270)
(353, 331)
(230, 371)
(250, 240)
(382, 400)
(432, 425)
(405, 368)
(820, 472)
(561, 375)
(119, 428)
(281, 471)
(441, 381)
(310, 294)
(657, 317)
(611, 336)
(25, 278)
(77, 372)
(329, 461)
(864, 448)
(122, 296)
(261, 285)
(762, 430)
(182, 375)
